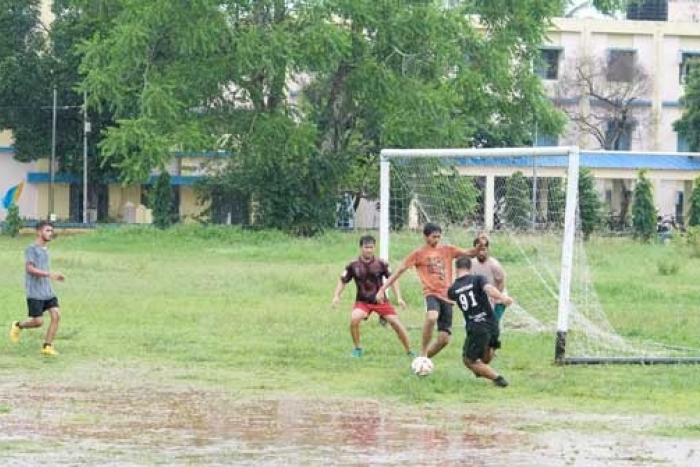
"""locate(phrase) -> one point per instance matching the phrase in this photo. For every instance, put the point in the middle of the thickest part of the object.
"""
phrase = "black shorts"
(478, 342)
(444, 309)
(37, 307)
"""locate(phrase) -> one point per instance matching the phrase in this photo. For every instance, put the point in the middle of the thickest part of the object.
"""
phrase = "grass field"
(212, 346)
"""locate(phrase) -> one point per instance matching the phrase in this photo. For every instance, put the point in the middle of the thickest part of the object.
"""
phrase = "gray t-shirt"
(38, 287)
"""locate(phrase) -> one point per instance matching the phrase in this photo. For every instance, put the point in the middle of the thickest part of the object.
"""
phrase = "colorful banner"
(12, 196)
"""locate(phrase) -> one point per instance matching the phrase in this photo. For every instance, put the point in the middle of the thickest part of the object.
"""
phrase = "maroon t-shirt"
(369, 277)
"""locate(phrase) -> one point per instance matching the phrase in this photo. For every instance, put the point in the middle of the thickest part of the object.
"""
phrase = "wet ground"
(79, 425)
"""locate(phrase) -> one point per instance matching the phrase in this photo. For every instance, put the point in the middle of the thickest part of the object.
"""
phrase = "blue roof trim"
(7, 149)
(176, 180)
(671, 104)
(595, 160)
(45, 177)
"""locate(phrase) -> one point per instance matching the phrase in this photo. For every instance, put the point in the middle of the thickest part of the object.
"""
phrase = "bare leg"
(442, 340)
(32, 323)
(480, 368)
(400, 330)
(356, 318)
(431, 317)
(53, 325)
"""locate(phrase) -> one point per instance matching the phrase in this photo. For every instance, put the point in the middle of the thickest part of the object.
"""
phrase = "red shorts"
(382, 309)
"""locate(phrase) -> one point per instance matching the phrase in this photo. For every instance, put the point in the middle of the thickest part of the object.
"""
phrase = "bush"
(643, 210)
(12, 223)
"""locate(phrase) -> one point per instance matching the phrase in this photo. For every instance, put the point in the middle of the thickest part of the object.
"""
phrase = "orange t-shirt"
(434, 267)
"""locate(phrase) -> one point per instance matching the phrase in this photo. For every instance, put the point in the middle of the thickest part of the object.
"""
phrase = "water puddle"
(144, 426)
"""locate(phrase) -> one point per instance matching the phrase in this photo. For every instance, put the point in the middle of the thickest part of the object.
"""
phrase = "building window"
(682, 144)
(547, 65)
(546, 140)
(689, 61)
(621, 64)
(618, 136)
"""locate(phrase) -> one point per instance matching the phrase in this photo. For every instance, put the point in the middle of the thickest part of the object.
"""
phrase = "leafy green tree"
(212, 74)
(161, 201)
(518, 207)
(589, 204)
(35, 58)
(643, 210)
(13, 223)
(688, 126)
(556, 201)
(694, 210)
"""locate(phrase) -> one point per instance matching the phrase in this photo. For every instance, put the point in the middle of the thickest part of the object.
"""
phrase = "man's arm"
(471, 252)
(34, 271)
(397, 291)
(391, 280)
(499, 275)
(338, 291)
(494, 293)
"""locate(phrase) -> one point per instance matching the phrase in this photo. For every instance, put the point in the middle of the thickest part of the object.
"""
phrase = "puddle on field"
(144, 426)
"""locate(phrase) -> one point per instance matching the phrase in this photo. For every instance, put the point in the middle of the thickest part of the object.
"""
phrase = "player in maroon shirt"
(369, 273)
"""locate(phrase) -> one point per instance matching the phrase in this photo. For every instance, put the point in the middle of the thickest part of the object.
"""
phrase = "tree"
(517, 204)
(604, 95)
(588, 203)
(209, 74)
(694, 210)
(688, 126)
(13, 223)
(38, 58)
(643, 210)
(161, 201)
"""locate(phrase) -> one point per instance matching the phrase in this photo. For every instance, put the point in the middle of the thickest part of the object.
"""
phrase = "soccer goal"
(527, 200)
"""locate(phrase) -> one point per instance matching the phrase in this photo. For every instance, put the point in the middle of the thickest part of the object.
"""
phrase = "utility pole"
(52, 215)
(86, 133)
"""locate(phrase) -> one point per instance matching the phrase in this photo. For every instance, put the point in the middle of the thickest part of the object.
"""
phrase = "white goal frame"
(572, 154)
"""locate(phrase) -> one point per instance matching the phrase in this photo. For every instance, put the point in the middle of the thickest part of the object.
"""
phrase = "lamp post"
(52, 215)
(86, 132)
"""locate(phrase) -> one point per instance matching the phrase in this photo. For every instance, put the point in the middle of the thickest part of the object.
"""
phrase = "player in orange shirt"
(434, 265)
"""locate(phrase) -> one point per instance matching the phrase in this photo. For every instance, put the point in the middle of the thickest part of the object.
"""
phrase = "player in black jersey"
(471, 294)
(368, 273)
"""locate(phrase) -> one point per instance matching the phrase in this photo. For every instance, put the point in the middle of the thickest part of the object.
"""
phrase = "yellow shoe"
(49, 350)
(14, 332)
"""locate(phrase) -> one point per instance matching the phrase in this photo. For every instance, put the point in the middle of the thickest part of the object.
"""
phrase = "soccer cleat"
(382, 321)
(411, 354)
(357, 352)
(14, 332)
(49, 350)
(500, 381)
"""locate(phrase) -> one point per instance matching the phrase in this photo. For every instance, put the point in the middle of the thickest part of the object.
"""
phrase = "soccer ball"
(422, 366)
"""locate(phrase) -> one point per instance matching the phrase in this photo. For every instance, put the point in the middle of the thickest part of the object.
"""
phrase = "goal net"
(526, 199)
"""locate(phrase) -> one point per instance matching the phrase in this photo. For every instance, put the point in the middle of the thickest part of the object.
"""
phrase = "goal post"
(429, 186)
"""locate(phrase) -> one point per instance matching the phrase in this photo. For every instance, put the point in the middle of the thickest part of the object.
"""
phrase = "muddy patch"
(147, 425)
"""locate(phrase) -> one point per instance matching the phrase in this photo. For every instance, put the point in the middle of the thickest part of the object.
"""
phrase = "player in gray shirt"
(37, 284)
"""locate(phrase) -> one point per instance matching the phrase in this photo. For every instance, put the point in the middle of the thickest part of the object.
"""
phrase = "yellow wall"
(61, 200)
(188, 204)
(120, 195)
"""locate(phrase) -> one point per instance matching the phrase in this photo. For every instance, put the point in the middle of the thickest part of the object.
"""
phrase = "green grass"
(249, 313)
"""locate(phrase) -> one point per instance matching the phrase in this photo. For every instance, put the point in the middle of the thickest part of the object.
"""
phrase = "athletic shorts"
(478, 342)
(444, 309)
(382, 309)
(37, 307)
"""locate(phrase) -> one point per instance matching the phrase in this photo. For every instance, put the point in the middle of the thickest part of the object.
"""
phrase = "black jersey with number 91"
(469, 295)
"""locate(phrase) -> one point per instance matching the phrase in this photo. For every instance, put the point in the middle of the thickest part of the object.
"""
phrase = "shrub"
(12, 223)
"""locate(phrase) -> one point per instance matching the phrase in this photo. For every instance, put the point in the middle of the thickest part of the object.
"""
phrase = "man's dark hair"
(41, 224)
(464, 262)
(430, 228)
(367, 239)
(477, 242)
